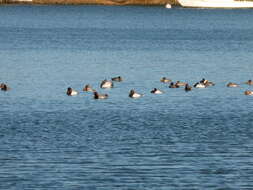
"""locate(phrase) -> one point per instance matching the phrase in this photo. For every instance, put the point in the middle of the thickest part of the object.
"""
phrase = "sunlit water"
(202, 139)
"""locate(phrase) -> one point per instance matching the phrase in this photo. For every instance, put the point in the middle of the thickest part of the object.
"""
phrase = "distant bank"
(99, 2)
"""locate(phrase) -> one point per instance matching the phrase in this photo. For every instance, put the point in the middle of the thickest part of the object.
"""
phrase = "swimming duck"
(133, 94)
(249, 82)
(232, 85)
(165, 80)
(117, 79)
(248, 93)
(206, 82)
(199, 85)
(88, 88)
(99, 96)
(71, 92)
(156, 91)
(106, 84)
(187, 88)
(203, 81)
(178, 83)
(172, 85)
(4, 87)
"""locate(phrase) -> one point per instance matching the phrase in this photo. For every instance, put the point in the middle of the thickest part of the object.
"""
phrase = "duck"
(133, 94)
(88, 88)
(187, 88)
(248, 93)
(206, 82)
(156, 91)
(249, 82)
(96, 95)
(172, 85)
(203, 81)
(178, 83)
(165, 80)
(232, 85)
(117, 79)
(71, 92)
(199, 85)
(4, 87)
(106, 84)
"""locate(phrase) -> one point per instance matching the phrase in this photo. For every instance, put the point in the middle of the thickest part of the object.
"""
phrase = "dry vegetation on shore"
(101, 2)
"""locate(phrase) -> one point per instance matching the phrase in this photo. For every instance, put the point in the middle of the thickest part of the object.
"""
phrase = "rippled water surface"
(202, 139)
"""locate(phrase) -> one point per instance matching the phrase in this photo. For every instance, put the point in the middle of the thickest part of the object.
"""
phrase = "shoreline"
(90, 2)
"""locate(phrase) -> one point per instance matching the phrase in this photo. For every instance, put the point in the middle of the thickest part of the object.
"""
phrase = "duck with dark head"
(156, 91)
(187, 88)
(199, 85)
(249, 82)
(133, 94)
(4, 87)
(71, 92)
(117, 79)
(173, 85)
(106, 84)
(96, 95)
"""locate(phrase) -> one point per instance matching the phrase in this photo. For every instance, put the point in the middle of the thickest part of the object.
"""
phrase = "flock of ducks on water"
(133, 94)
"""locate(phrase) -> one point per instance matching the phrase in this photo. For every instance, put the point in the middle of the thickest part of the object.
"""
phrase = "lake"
(202, 139)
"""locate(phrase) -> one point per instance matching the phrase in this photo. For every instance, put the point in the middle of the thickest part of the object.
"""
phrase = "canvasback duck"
(88, 88)
(99, 96)
(156, 91)
(248, 93)
(187, 88)
(133, 94)
(232, 85)
(106, 84)
(117, 79)
(165, 80)
(71, 92)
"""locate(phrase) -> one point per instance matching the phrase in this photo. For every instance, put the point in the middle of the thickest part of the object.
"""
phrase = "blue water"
(202, 139)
